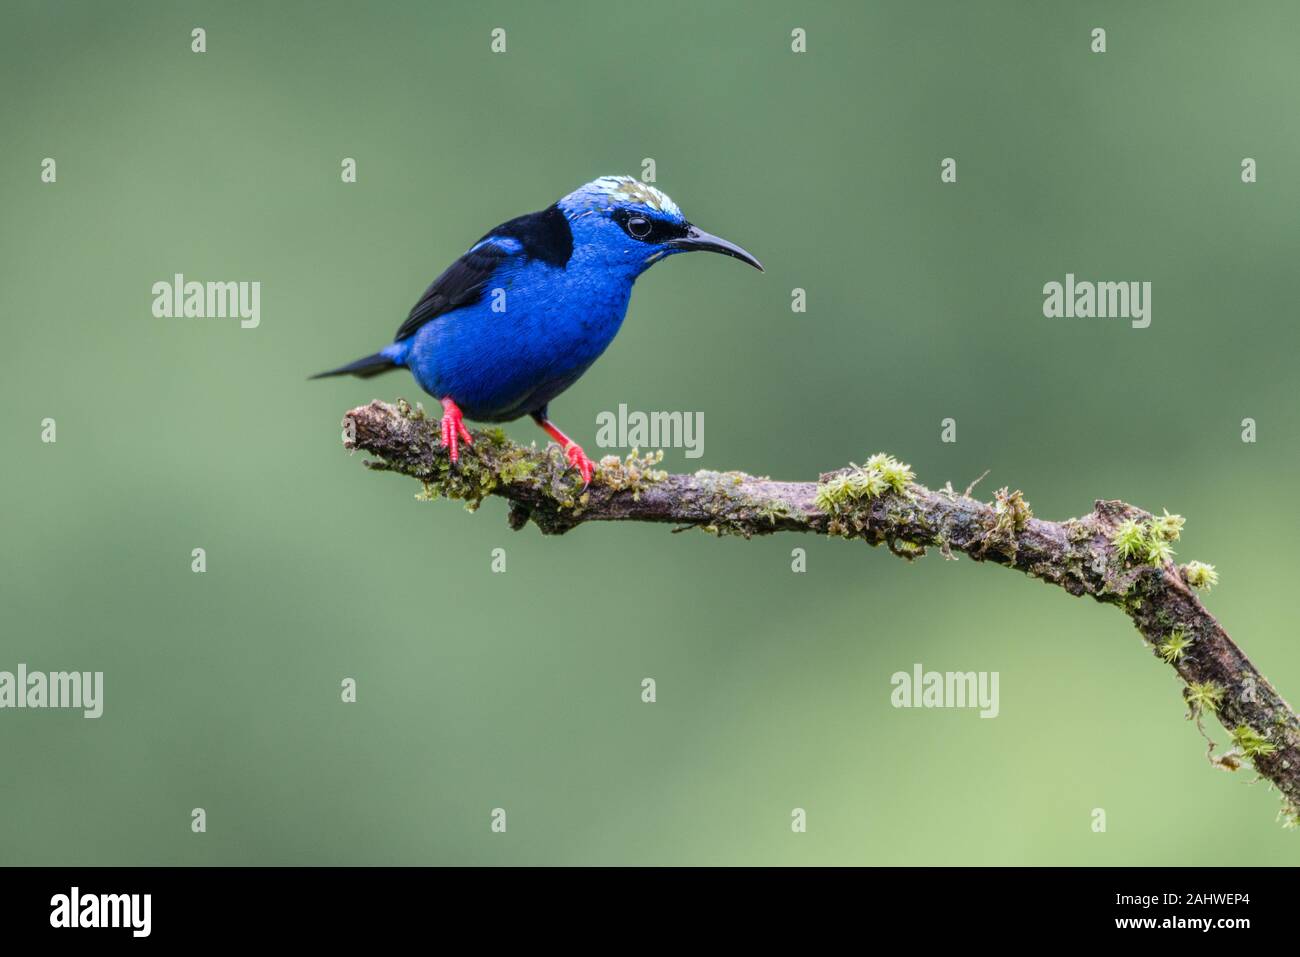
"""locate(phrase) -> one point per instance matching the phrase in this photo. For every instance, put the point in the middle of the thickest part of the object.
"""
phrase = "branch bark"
(1077, 554)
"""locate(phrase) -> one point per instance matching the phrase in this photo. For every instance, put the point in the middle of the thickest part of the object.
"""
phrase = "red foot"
(572, 450)
(578, 459)
(453, 429)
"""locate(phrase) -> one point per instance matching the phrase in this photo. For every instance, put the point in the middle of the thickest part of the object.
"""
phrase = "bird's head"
(627, 225)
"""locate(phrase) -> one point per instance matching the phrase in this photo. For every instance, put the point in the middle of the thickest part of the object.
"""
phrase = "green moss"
(844, 491)
(1200, 575)
(861, 483)
(634, 473)
(1011, 512)
(415, 414)
(1289, 815)
(1167, 527)
(1251, 742)
(515, 468)
(774, 509)
(1130, 539)
(1077, 531)
(1158, 551)
(1202, 696)
(1149, 539)
(895, 474)
(1174, 646)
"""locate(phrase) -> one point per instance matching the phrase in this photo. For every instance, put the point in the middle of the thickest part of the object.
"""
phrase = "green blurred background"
(522, 690)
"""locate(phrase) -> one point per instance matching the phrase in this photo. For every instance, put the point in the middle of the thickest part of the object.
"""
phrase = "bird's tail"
(394, 357)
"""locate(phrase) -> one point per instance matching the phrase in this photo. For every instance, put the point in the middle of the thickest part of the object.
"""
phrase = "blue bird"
(525, 312)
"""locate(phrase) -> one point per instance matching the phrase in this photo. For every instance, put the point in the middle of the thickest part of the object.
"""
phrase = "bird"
(528, 308)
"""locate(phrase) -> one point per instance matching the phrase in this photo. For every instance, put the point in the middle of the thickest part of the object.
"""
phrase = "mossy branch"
(1117, 554)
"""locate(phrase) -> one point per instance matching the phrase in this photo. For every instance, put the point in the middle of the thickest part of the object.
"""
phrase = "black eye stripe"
(659, 231)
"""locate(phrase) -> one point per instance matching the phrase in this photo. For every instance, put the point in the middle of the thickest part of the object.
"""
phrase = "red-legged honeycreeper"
(526, 311)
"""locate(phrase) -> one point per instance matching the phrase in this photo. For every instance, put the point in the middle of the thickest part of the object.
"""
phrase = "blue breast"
(515, 349)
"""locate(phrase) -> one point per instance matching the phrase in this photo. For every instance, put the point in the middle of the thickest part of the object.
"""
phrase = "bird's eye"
(639, 227)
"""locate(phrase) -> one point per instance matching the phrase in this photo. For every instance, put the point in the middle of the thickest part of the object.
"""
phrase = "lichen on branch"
(1116, 554)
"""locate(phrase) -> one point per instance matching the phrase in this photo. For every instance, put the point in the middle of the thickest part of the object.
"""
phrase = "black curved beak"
(697, 240)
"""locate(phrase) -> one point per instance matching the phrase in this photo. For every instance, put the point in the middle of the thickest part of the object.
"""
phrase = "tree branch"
(1113, 554)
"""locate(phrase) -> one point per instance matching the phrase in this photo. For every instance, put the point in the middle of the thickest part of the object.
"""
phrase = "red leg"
(572, 450)
(453, 429)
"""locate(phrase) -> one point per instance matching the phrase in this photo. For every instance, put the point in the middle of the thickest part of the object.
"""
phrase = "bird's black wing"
(462, 284)
(543, 235)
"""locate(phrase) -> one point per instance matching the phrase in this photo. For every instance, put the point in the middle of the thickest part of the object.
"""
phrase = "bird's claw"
(578, 460)
(453, 430)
